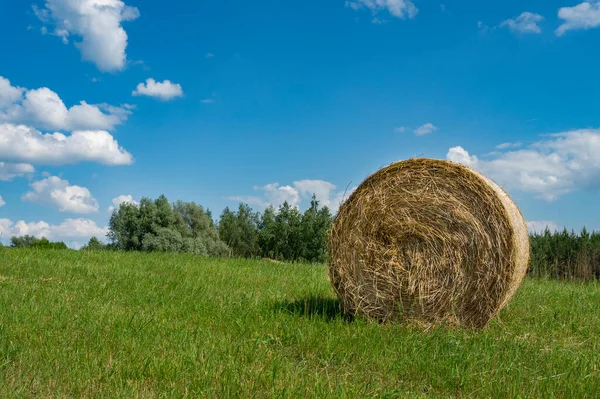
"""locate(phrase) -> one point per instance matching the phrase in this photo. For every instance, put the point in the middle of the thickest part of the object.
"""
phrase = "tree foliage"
(157, 225)
(565, 255)
(285, 234)
(94, 244)
(28, 241)
(239, 230)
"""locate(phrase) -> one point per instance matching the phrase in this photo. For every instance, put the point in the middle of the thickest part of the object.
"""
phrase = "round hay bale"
(428, 240)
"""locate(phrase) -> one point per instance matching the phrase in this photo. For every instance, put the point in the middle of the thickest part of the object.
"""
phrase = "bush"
(164, 240)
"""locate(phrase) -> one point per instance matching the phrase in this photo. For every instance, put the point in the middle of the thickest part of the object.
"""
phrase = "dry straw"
(428, 240)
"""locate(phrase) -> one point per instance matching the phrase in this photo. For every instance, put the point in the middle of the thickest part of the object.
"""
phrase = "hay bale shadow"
(314, 307)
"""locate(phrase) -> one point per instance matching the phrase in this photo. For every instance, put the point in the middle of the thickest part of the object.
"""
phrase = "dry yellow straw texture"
(430, 241)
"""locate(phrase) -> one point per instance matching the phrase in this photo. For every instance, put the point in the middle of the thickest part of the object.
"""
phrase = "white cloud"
(525, 23)
(207, 101)
(5, 228)
(20, 143)
(209, 55)
(122, 199)
(273, 194)
(69, 229)
(322, 189)
(165, 90)
(302, 190)
(425, 129)
(400, 129)
(460, 155)
(582, 16)
(277, 195)
(559, 164)
(2, 203)
(397, 8)
(42, 14)
(45, 109)
(66, 198)
(504, 146)
(97, 23)
(9, 94)
(539, 226)
(9, 171)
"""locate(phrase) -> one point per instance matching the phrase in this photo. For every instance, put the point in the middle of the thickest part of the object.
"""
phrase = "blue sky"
(270, 101)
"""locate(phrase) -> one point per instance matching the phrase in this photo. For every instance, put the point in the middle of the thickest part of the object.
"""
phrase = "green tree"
(247, 223)
(165, 216)
(239, 230)
(25, 241)
(94, 244)
(266, 233)
(228, 229)
(28, 241)
(125, 227)
(157, 225)
(315, 226)
(288, 233)
(198, 230)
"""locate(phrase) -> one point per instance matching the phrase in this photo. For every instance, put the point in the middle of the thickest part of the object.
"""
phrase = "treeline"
(28, 241)
(283, 234)
(565, 255)
(287, 234)
(159, 226)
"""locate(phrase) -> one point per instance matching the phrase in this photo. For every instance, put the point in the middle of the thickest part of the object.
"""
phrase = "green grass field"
(123, 325)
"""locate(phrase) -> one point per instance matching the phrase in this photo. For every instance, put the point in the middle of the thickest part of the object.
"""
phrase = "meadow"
(84, 324)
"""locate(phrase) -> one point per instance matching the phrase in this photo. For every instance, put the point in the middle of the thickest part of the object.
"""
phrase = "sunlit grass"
(100, 324)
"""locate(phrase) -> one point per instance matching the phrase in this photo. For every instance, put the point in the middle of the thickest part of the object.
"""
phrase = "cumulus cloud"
(539, 226)
(460, 155)
(8, 93)
(98, 25)
(582, 16)
(69, 229)
(275, 194)
(60, 194)
(525, 23)
(9, 171)
(20, 143)
(325, 192)
(44, 108)
(122, 199)
(425, 129)
(397, 8)
(559, 164)
(165, 90)
(302, 190)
